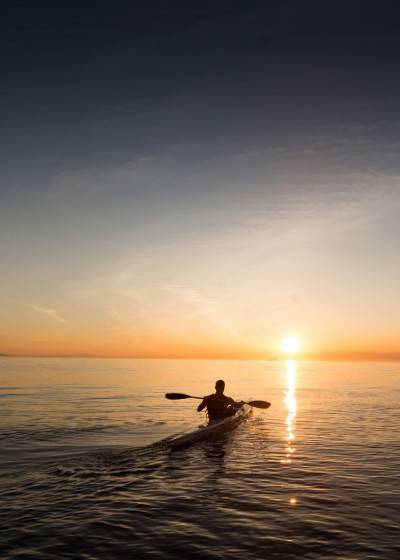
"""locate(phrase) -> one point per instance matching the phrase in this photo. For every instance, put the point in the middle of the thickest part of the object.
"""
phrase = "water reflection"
(291, 405)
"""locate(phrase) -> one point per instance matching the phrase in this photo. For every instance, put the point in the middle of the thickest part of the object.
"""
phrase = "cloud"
(202, 306)
(134, 175)
(50, 313)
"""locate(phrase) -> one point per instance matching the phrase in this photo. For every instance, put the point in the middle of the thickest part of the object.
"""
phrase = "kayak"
(214, 427)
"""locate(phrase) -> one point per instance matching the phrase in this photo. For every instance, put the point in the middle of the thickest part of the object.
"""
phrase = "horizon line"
(315, 356)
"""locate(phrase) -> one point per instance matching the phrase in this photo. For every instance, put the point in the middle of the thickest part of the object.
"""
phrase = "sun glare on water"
(290, 344)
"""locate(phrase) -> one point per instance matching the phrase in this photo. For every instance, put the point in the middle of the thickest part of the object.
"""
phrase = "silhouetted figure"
(218, 405)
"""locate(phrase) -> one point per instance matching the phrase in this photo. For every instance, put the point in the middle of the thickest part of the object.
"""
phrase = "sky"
(199, 180)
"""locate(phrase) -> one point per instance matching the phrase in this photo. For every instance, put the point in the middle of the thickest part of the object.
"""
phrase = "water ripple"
(314, 477)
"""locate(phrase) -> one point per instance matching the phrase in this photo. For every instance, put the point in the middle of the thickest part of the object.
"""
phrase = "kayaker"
(218, 405)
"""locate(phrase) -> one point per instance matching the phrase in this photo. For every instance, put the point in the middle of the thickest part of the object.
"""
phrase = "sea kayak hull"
(211, 429)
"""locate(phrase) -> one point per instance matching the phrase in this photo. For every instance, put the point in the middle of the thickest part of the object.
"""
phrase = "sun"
(290, 344)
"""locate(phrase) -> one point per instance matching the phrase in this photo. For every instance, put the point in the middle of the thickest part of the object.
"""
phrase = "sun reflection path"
(291, 405)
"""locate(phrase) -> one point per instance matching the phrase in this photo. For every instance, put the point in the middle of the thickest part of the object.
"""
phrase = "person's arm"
(202, 405)
(229, 403)
(235, 404)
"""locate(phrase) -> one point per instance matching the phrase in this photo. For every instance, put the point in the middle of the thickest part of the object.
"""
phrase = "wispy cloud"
(132, 175)
(50, 313)
(202, 305)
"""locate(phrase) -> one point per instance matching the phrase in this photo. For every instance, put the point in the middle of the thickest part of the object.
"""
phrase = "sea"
(86, 471)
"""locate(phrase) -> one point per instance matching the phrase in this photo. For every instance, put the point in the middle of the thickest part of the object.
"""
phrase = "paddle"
(179, 396)
(259, 404)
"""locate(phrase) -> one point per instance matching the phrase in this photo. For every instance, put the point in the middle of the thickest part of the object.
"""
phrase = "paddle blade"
(259, 404)
(176, 396)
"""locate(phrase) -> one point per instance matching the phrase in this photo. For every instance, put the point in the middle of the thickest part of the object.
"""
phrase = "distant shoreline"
(393, 357)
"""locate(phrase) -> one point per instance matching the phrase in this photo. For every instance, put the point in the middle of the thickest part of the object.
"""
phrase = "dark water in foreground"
(85, 471)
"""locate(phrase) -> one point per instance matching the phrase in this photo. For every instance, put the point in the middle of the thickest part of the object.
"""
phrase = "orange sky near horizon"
(158, 345)
(195, 297)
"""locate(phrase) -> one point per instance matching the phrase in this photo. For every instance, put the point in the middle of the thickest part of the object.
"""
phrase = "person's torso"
(217, 406)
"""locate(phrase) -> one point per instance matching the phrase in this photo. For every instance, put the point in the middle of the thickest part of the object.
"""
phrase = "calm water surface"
(85, 471)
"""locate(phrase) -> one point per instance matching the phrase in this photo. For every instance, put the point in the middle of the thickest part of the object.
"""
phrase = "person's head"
(220, 386)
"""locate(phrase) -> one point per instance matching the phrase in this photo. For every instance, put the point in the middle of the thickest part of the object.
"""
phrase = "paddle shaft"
(179, 396)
